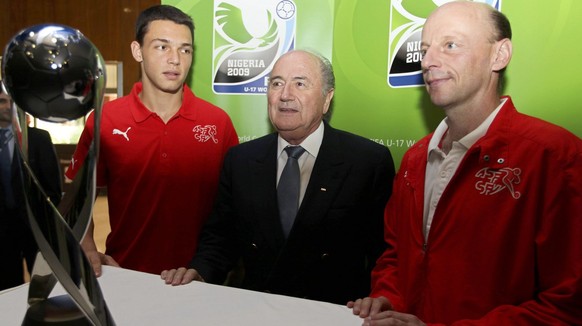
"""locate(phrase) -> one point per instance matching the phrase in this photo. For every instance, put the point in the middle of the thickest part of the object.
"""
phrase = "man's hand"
(181, 276)
(93, 255)
(369, 306)
(97, 259)
(391, 317)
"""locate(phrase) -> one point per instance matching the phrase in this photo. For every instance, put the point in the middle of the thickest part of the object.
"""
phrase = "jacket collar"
(494, 146)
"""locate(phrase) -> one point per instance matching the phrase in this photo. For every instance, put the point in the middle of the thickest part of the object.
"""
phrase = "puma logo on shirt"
(123, 133)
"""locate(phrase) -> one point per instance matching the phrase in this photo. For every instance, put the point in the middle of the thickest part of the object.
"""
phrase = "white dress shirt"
(311, 144)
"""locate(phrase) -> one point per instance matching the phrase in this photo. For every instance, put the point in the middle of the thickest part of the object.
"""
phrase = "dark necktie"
(5, 167)
(288, 188)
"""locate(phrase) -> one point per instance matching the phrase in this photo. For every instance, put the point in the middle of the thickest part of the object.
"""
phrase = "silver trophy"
(54, 73)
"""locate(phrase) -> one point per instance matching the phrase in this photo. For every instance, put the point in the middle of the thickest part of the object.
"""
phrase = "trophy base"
(60, 310)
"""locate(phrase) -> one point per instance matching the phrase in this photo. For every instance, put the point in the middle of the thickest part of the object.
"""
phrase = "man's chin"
(438, 99)
(173, 89)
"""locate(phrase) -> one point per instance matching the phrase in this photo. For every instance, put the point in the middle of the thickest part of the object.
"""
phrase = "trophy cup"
(54, 73)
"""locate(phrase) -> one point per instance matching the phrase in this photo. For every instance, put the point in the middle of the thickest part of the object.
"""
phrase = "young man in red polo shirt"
(160, 153)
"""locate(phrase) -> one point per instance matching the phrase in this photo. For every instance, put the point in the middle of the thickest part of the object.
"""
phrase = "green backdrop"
(544, 77)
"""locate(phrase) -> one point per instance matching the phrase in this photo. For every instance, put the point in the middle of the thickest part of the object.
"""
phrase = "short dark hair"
(501, 30)
(501, 25)
(160, 12)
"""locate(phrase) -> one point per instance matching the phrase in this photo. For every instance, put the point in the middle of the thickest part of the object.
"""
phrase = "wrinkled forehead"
(297, 64)
(296, 58)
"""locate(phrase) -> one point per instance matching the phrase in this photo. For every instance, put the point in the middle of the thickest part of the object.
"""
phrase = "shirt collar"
(469, 139)
(141, 112)
(7, 132)
(311, 144)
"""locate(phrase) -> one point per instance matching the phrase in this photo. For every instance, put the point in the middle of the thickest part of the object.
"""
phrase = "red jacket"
(505, 245)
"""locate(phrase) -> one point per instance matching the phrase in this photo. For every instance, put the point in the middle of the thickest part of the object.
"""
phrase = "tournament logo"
(249, 36)
(406, 20)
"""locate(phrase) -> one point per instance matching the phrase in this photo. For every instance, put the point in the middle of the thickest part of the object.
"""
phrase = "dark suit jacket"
(338, 231)
(16, 240)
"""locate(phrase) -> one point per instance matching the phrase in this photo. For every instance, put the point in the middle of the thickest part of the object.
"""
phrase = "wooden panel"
(109, 24)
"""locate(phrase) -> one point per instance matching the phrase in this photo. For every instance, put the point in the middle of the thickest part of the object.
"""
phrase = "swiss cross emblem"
(493, 181)
(204, 133)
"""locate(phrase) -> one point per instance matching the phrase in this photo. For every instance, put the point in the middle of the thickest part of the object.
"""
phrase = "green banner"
(373, 46)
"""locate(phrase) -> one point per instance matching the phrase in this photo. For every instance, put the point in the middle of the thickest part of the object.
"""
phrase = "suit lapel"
(325, 182)
(264, 174)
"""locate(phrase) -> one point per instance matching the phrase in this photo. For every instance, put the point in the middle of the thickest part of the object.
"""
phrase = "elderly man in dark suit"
(16, 240)
(326, 251)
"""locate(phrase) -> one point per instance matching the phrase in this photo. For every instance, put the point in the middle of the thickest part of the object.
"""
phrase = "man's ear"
(503, 51)
(136, 51)
(327, 102)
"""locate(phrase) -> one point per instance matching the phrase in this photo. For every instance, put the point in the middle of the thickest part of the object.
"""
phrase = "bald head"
(325, 67)
(493, 21)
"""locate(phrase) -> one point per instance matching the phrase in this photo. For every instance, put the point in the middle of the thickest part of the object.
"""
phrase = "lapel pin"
(322, 189)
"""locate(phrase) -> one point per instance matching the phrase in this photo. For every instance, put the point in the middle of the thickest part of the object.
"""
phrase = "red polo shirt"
(161, 178)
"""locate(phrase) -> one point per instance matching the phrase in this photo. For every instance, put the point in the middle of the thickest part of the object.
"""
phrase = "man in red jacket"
(485, 221)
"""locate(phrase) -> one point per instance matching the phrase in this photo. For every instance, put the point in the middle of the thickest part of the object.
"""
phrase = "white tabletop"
(136, 298)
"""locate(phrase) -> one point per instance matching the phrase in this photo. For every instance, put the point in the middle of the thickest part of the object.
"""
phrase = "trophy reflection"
(54, 73)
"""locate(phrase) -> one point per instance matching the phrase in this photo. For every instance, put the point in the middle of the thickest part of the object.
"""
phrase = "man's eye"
(451, 45)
